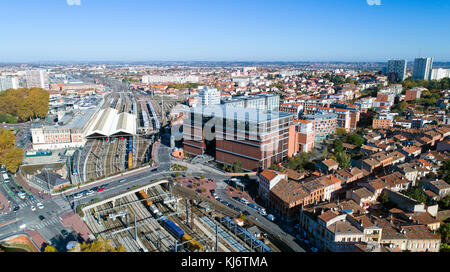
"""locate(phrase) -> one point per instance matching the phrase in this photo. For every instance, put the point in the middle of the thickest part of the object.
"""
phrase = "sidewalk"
(37, 239)
(4, 203)
(72, 219)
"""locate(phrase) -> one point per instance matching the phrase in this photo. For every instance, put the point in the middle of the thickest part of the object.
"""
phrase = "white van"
(5, 177)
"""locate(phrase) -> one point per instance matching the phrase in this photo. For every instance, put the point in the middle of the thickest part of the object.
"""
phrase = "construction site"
(154, 218)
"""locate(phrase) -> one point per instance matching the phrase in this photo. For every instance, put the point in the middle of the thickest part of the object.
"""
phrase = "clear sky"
(228, 30)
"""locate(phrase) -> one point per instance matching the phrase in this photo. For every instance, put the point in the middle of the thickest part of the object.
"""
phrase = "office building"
(422, 68)
(209, 96)
(37, 78)
(8, 83)
(258, 101)
(253, 137)
(396, 70)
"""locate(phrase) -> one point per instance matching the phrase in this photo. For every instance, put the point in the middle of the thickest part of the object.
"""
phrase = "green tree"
(444, 171)
(237, 167)
(444, 232)
(355, 139)
(50, 248)
(242, 216)
(343, 159)
(416, 193)
(338, 147)
(444, 203)
(10, 155)
(101, 245)
(384, 198)
(341, 132)
(273, 167)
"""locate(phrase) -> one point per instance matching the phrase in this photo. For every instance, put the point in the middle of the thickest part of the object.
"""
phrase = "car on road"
(236, 198)
(31, 197)
(231, 206)
(270, 217)
(64, 233)
(41, 217)
(213, 193)
(77, 196)
(40, 205)
(90, 192)
(225, 203)
(253, 206)
(16, 208)
(33, 208)
(22, 195)
(244, 200)
(122, 180)
(313, 249)
(100, 189)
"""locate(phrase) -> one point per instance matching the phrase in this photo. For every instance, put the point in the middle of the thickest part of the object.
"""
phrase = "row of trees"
(10, 155)
(24, 103)
(184, 86)
(99, 245)
(300, 162)
(235, 168)
(432, 85)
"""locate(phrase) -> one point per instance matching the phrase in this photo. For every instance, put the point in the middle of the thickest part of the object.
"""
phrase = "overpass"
(113, 199)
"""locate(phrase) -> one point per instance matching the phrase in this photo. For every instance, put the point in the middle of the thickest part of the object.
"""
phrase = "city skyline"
(351, 31)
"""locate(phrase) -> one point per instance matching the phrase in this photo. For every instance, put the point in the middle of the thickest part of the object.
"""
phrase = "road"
(260, 220)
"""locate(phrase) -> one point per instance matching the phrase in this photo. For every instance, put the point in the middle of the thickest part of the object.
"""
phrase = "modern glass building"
(270, 102)
(256, 138)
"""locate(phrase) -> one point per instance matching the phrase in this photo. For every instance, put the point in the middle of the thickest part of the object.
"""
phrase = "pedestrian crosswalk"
(26, 203)
(46, 223)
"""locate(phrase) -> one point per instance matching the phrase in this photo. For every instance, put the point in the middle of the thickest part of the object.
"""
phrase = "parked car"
(219, 199)
(90, 192)
(246, 213)
(77, 196)
(262, 212)
(313, 249)
(270, 217)
(244, 200)
(253, 206)
(213, 193)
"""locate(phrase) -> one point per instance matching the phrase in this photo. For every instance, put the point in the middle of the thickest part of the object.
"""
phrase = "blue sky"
(213, 30)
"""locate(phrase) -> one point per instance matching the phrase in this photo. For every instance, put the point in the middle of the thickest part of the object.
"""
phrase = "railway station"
(152, 219)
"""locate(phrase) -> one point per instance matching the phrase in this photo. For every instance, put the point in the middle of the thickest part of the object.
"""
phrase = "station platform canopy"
(110, 123)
